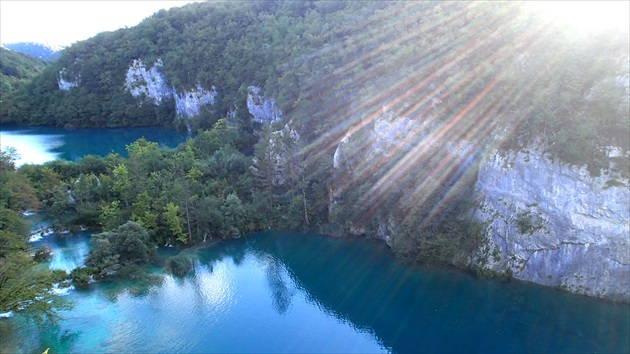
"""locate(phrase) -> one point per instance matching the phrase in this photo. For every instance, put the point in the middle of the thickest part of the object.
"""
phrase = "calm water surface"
(288, 292)
(41, 144)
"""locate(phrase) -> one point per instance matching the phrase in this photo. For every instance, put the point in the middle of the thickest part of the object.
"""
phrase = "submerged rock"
(44, 253)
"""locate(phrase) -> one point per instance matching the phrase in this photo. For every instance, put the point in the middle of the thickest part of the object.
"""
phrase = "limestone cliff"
(281, 151)
(188, 103)
(150, 84)
(543, 221)
(394, 170)
(66, 80)
(555, 224)
(147, 83)
(262, 109)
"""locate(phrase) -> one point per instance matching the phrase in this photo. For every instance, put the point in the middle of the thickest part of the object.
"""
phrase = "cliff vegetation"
(16, 69)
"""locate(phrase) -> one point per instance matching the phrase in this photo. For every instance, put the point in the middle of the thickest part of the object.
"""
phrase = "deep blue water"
(290, 292)
(41, 144)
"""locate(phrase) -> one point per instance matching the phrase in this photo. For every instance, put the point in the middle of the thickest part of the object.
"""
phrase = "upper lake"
(41, 144)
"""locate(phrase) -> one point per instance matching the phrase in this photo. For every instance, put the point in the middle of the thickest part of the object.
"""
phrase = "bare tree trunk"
(188, 222)
(304, 199)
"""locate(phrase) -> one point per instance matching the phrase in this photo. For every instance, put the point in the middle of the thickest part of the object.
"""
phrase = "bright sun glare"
(587, 15)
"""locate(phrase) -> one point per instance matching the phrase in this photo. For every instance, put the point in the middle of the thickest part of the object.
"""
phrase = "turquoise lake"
(41, 144)
(291, 292)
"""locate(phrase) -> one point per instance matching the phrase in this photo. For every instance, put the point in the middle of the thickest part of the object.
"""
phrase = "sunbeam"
(415, 131)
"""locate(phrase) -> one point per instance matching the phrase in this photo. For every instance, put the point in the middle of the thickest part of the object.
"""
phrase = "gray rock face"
(67, 80)
(389, 133)
(545, 221)
(281, 152)
(555, 225)
(150, 84)
(263, 110)
(405, 161)
(147, 83)
(188, 104)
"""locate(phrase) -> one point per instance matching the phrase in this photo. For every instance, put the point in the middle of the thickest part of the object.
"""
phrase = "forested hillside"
(331, 64)
(16, 69)
(386, 110)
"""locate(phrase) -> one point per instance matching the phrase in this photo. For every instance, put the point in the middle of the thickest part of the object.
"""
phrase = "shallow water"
(289, 292)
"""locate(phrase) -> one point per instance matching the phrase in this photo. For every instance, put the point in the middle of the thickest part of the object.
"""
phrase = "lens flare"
(586, 15)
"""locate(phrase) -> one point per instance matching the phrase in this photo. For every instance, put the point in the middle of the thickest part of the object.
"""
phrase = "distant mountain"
(38, 50)
(17, 68)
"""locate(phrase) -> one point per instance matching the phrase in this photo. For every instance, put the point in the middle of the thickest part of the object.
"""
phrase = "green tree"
(122, 183)
(110, 216)
(234, 215)
(173, 222)
(142, 212)
(128, 244)
(24, 288)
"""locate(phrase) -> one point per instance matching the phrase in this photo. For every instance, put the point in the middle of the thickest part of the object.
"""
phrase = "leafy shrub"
(59, 275)
(179, 265)
(126, 245)
(81, 277)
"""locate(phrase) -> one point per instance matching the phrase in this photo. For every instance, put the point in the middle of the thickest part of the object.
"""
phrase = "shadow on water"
(281, 293)
(141, 283)
(34, 339)
(356, 281)
(412, 309)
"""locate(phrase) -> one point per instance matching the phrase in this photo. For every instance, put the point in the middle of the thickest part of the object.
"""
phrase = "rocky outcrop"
(66, 80)
(188, 104)
(281, 152)
(149, 84)
(281, 148)
(388, 167)
(544, 221)
(555, 224)
(388, 133)
(262, 109)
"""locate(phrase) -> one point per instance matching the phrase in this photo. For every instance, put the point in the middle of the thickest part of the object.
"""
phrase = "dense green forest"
(203, 191)
(23, 286)
(493, 74)
(16, 69)
(331, 64)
